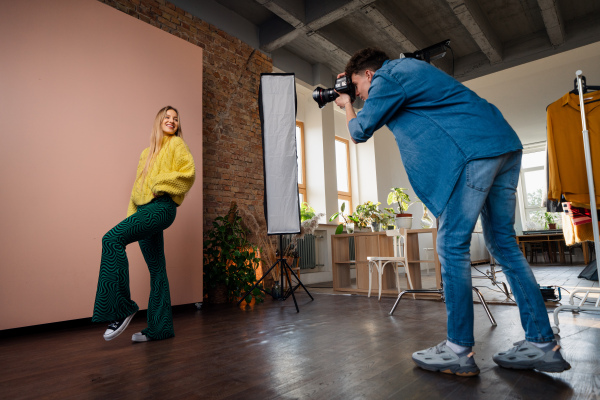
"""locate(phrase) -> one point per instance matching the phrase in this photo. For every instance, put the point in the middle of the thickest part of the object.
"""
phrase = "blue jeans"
(487, 187)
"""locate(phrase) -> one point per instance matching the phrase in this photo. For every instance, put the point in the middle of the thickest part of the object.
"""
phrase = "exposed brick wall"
(232, 143)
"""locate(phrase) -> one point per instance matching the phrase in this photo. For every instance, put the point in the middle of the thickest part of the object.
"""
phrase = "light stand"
(284, 267)
(431, 53)
(440, 291)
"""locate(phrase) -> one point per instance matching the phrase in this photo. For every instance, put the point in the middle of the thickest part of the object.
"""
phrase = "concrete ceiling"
(520, 55)
(486, 35)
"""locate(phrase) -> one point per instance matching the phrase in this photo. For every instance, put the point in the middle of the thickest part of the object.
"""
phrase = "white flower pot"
(404, 222)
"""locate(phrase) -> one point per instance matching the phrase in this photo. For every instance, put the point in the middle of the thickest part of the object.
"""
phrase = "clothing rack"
(590, 175)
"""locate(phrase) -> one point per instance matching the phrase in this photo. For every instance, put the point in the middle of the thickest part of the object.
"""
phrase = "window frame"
(302, 186)
(346, 196)
(524, 208)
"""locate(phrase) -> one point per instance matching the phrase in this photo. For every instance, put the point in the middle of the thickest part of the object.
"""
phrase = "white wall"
(522, 93)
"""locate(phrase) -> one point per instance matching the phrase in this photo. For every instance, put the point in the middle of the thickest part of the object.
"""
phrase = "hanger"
(584, 86)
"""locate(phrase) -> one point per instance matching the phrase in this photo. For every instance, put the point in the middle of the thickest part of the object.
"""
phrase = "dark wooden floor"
(337, 347)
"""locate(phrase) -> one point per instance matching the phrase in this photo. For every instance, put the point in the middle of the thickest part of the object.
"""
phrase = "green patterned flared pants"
(113, 298)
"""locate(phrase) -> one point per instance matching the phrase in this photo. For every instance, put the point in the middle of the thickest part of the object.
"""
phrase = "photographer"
(462, 159)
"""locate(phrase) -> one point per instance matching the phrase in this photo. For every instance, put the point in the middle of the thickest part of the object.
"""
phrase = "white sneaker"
(140, 337)
(117, 327)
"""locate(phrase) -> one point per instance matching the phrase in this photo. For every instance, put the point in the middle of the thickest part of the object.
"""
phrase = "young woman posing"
(165, 174)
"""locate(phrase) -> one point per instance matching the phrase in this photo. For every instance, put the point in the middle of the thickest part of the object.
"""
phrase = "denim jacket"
(439, 125)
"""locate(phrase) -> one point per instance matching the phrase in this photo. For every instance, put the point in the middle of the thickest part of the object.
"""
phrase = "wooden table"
(550, 238)
(365, 244)
(376, 244)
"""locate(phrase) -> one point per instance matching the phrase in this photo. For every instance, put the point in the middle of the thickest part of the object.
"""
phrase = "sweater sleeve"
(180, 179)
(132, 207)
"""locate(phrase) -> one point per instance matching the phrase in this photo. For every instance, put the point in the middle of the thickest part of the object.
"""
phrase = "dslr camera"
(342, 85)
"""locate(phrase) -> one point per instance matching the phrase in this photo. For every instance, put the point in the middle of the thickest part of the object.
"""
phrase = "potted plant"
(389, 215)
(402, 199)
(550, 220)
(371, 214)
(361, 219)
(426, 220)
(306, 212)
(349, 220)
(230, 260)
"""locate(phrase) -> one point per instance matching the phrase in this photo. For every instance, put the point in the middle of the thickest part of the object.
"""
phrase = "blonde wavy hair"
(156, 139)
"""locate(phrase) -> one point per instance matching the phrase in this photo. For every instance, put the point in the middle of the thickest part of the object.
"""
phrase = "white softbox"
(277, 107)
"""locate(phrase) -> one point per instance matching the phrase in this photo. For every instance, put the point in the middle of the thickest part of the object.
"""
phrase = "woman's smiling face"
(170, 123)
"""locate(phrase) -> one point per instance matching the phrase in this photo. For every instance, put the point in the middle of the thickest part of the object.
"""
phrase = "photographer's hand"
(343, 100)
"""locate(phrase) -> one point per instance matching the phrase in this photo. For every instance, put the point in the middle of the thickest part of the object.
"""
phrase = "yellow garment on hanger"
(566, 159)
(576, 233)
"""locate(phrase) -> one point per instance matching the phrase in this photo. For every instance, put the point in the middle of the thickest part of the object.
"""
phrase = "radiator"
(306, 250)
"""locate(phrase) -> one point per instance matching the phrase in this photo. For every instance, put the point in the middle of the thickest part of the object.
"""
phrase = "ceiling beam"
(410, 38)
(340, 54)
(277, 40)
(384, 24)
(281, 12)
(474, 20)
(276, 33)
(338, 13)
(553, 21)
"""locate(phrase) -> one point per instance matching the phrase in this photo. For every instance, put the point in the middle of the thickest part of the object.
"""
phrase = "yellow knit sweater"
(172, 173)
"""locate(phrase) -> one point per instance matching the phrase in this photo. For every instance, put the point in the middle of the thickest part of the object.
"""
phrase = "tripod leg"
(414, 291)
(299, 282)
(485, 307)
(285, 265)
(397, 301)
(258, 282)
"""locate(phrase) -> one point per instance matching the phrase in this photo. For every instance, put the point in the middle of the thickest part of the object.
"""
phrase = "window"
(342, 167)
(301, 162)
(532, 185)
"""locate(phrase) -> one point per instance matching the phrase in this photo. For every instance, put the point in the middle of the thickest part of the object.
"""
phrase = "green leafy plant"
(370, 212)
(362, 216)
(388, 217)
(347, 218)
(230, 259)
(549, 218)
(306, 212)
(544, 218)
(402, 199)
(361, 219)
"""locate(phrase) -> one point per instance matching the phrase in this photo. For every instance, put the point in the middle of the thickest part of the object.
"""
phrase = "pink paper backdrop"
(80, 85)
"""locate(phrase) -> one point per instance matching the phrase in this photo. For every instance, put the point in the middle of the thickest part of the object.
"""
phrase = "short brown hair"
(369, 58)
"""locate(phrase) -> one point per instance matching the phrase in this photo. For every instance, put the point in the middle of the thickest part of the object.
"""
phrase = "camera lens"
(324, 96)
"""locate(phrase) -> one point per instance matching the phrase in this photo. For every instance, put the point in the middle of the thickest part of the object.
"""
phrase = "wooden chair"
(439, 291)
(406, 255)
(537, 249)
(379, 263)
